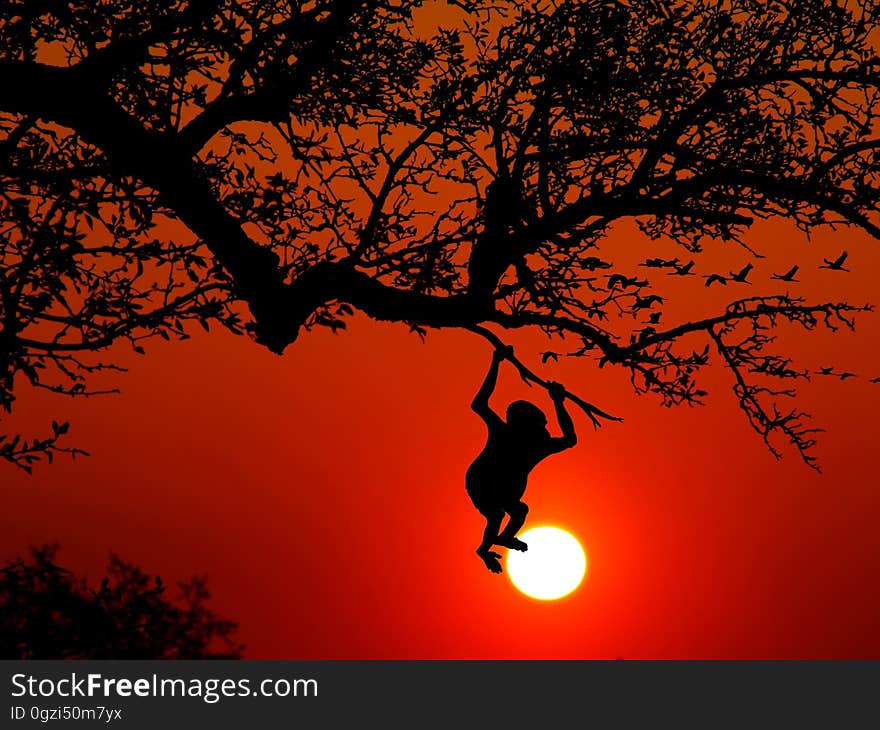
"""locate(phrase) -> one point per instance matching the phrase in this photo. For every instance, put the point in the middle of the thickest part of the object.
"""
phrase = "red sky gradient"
(322, 492)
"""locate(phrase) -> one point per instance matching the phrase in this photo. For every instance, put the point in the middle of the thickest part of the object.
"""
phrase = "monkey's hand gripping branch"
(594, 413)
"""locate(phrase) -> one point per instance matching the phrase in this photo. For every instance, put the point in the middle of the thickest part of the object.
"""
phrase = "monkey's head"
(526, 417)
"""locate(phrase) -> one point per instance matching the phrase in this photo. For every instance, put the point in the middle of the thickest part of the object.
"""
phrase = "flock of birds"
(739, 277)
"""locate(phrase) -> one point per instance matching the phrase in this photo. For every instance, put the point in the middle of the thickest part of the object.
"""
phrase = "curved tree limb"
(593, 412)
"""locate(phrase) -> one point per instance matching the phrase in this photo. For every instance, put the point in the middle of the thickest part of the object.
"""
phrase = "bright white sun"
(552, 567)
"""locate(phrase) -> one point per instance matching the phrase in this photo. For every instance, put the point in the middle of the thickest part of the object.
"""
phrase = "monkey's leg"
(490, 534)
(507, 538)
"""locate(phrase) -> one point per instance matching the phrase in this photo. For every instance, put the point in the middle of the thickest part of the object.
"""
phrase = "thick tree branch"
(61, 96)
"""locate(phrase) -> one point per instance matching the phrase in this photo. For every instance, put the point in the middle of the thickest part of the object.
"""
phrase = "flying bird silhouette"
(660, 263)
(625, 281)
(684, 270)
(712, 278)
(648, 301)
(837, 264)
(875, 380)
(788, 275)
(592, 263)
(830, 372)
(742, 276)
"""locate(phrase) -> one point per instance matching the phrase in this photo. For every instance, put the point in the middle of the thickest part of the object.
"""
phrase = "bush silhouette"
(46, 612)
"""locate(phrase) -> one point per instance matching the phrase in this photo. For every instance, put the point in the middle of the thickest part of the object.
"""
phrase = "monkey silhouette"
(496, 480)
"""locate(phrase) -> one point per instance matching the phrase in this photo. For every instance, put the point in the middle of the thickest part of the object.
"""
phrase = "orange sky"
(322, 492)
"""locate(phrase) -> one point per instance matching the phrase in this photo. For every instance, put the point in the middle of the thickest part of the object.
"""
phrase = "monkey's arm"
(569, 437)
(480, 403)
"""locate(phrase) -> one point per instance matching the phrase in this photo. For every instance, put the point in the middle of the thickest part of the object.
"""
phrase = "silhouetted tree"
(47, 613)
(271, 166)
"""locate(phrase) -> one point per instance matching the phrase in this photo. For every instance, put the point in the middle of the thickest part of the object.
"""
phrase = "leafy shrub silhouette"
(46, 612)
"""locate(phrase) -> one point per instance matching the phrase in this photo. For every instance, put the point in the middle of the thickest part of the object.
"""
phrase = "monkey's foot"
(512, 543)
(492, 560)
